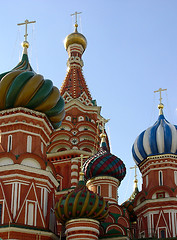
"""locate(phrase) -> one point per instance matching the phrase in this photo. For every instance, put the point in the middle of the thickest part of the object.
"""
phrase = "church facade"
(58, 178)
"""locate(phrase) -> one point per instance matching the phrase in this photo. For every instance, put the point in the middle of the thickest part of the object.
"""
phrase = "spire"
(160, 106)
(74, 85)
(136, 180)
(103, 135)
(135, 190)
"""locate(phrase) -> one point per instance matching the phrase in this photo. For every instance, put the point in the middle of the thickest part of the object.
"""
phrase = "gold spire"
(160, 106)
(75, 37)
(25, 43)
(76, 25)
(136, 180)
(103, 122)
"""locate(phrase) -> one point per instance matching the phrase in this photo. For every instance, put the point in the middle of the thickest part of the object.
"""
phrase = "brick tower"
(154, 152)
(29, 111)
(80, 130)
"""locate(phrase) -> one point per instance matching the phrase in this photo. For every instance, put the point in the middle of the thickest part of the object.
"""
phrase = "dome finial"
(76, 25)
(160, 106)
(25, 43)
(136, 180)
(103, 121)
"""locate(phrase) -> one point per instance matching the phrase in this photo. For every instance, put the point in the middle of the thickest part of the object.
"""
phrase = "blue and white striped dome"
(161, 138)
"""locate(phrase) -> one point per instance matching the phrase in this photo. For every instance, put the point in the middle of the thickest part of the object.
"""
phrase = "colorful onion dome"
(161, 138)
(128, 205)
(103, 163)
(75, 37)
(22, 87)
(81, 203)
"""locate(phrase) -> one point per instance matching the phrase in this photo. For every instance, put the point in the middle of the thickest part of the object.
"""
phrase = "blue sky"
(132, 51)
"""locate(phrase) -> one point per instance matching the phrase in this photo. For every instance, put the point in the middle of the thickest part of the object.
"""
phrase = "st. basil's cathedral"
(58, 178)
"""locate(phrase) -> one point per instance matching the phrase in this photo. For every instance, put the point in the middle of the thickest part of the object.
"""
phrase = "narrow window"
(160, 178)
(110, 190)
(29, 143)
(42, 147)
(9, 144)
(146, 180)
(162, 233)
(99, 189)
(0, 213)
(30, 214)
(175, 177)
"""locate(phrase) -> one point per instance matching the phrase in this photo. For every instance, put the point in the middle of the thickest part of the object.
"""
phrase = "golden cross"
(26, 23)
(103, 122)
(76, 13)
(135, 167)
(160, 91)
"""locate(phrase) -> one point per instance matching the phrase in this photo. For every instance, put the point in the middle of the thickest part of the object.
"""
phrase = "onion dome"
(22, 87)
(161, 138)
(103, 163)
(75, 37)
(81, 203)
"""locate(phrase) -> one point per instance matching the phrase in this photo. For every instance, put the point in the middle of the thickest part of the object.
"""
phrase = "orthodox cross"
(82, 159)
(103, 121)
(76, 13)
(135, 167)
(160, 91)
(26, 24)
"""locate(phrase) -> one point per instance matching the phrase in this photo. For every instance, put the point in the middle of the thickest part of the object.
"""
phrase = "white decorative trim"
(74, 167)
(28, 132)
(74, 174)
(31, 170)
(74, 180)
(13, 111)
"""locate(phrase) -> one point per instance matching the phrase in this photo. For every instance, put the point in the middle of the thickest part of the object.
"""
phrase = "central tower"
(80, 130)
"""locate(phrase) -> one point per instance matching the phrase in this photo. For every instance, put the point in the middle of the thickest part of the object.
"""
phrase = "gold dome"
(75, 37)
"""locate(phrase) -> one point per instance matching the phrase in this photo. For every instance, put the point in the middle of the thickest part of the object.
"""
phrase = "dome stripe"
(137, 150)
(41, 94)
(136, 159)
(146, 142)
(140, 145)
(16, 86)
(167, 137)
(153, 139)
(160, 139)
(174, 139)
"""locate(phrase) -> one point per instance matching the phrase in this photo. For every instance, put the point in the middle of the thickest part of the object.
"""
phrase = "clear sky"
(132, 51)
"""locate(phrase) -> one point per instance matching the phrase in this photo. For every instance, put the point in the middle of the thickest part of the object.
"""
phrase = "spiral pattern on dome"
(104, 164)
(81, 203)
(161, 138)
(22, 87)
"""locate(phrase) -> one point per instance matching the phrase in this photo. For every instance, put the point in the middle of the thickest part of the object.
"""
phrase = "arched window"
(29, 144)
(160, 178)
(9, 143)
